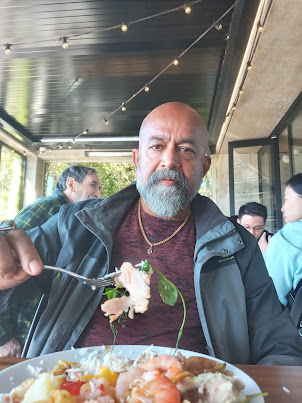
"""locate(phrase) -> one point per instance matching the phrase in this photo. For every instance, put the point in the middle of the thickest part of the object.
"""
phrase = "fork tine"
(103, 283)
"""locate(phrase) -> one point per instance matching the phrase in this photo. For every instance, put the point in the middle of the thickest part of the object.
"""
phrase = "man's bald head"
(174, 111)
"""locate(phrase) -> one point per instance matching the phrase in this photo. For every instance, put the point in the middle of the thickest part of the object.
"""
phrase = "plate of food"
(126, 373)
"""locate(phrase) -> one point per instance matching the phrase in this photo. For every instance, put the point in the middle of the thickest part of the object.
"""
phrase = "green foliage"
(114, 176)
(206, 186)
(11, 169)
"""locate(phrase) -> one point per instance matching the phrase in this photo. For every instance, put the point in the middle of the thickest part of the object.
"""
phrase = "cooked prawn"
(154, 387)
(124, 381)
(165, 364)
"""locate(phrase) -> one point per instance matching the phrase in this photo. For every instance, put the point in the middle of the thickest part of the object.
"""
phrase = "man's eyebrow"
(164, 138)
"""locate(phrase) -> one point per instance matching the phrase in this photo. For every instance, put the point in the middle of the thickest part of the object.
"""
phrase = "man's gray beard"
(165, 201)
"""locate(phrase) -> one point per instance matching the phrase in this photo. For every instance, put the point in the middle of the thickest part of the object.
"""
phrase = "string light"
(124, 27)
(240, 91)
(218, 26)
(7, 48)
(123, 107)
(65, 43)
(175, 62)
(73, 141)
(260, 27)
(249, 66)
(187, 9)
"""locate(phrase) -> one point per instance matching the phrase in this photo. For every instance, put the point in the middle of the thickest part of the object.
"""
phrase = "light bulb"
(233, 107)
(65, 43)
(60, 146)
(7, 48)
(50, 150)
(123, 107)
(175, 62)
(73, 141)
(260, 28)
(106, 121)
(147, 89)
(249, 66)
(85, 131)
(124, 27)
(188, 9)
(69, 147)
(240, 90)
(218, 26)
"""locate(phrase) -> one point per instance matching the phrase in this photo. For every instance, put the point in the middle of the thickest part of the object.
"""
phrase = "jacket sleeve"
(281, 265)
(274, 340)
(17, 304)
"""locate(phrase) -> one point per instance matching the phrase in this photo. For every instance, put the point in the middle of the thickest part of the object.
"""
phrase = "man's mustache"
(169, 174)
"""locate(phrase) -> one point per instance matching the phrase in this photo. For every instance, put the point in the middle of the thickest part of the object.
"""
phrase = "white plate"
(16, 374)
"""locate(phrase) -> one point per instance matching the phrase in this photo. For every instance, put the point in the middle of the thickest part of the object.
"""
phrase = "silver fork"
(94, 283)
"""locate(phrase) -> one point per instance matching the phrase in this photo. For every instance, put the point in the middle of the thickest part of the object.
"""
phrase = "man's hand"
(16, 245)
(11, 349)
(263, 244)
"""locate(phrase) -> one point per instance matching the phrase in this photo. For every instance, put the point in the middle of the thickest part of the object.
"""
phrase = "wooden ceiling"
(46, 91)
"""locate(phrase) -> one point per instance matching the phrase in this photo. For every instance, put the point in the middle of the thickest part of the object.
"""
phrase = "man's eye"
(156, 147)
(187, 150)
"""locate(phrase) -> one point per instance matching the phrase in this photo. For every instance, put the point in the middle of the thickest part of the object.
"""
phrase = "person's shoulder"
(75, 207)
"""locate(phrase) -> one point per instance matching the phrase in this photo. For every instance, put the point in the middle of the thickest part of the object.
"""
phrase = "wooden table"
(270, 379)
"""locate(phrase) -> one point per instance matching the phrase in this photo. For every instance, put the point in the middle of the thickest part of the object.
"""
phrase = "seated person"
(232, 307)
(283, 253)
(252, 216)
(76, 183)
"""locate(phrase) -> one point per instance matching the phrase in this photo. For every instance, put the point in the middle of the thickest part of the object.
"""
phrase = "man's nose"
(170, 158)
(253, 232)
(98, 194)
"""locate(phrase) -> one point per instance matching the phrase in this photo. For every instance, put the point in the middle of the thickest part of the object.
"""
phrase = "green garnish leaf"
(111, 293)
(144, 266)
(167, 290)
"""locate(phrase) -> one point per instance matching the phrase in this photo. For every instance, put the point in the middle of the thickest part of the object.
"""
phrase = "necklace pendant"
(149, 251)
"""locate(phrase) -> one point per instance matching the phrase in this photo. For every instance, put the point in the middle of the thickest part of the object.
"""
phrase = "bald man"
(232, 307)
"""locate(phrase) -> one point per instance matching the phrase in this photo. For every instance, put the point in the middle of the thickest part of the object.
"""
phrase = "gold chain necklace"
(149, 251)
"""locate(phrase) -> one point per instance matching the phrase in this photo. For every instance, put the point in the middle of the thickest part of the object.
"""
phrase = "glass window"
(284, 158)
(254, 180)
(297, 143)
(11, 175)
(113, 176)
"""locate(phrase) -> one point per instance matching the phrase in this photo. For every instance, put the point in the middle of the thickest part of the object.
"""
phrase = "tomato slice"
(72, 387)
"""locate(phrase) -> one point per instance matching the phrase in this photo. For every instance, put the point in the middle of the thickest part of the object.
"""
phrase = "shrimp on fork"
(154, 387)
(165, 364)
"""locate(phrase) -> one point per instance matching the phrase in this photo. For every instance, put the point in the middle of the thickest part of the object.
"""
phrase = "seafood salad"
(111, 378)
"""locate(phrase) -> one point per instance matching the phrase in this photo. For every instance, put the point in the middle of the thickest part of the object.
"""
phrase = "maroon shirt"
(160, 324)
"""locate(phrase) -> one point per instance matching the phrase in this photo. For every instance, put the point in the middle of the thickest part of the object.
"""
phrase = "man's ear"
(238, 221)
(70, 184)
(206, 164)
(135, 157)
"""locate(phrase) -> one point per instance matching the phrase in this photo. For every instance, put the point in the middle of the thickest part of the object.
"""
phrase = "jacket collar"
(104, 218)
